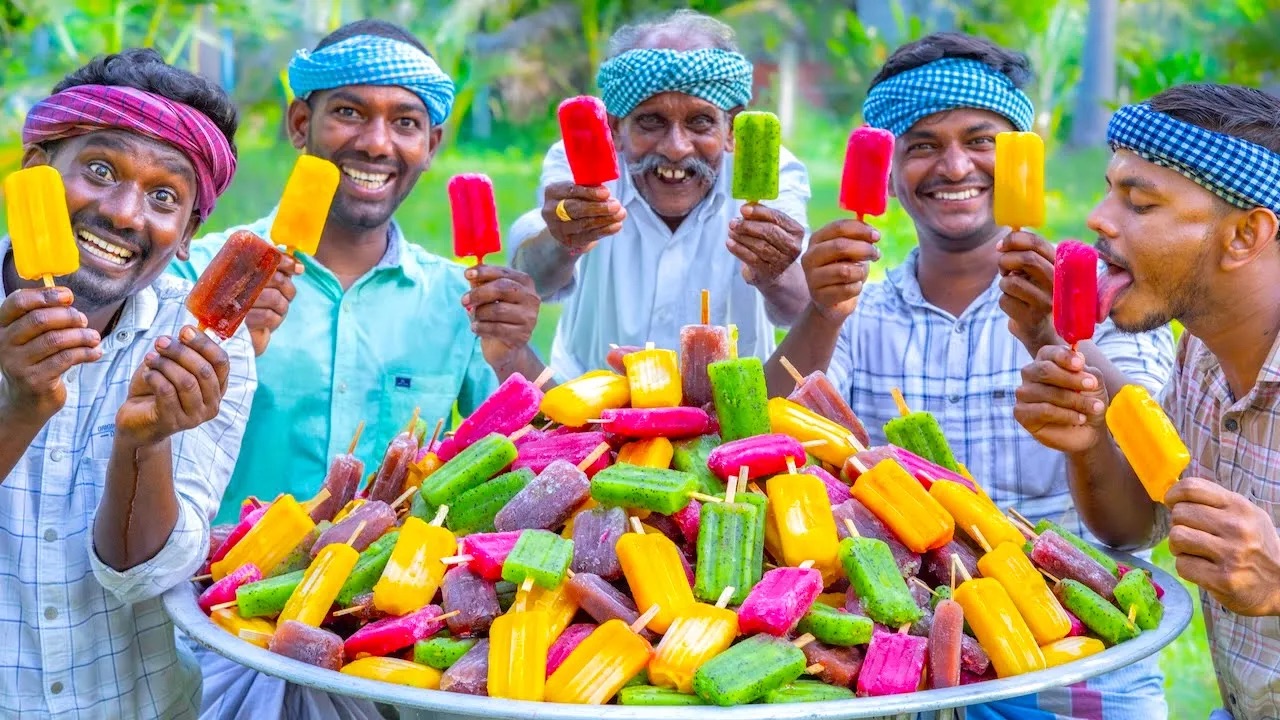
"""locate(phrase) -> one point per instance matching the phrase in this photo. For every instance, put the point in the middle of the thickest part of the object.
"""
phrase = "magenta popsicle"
(475, 216)
(588, 142)
(1075, 291)
(762, 455)
(488, 551)
(573, 447)
(671, 422)
(242, 528)
(512, 406)
(395, 633)
(779, 600)
(224, 590)
(893, 664)
(689, 520)
(864, 185)
(565, 644)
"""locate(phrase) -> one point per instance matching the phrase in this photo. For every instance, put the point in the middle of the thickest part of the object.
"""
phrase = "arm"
(808, 346)
(504, 312)
(769, 237)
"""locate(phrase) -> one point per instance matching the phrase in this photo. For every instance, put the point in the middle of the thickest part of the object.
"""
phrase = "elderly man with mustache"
(628, 258)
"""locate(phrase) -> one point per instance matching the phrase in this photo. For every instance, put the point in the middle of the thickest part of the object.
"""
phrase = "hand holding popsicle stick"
(836, 266)
(1027, 288)
(41, 337)
(178, 387)
(1061, 402)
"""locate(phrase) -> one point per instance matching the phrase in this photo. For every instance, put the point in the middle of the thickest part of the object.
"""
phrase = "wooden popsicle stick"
(349, 611)
(1013, 512)
(815, 668)
(855, 444)
(706, 306)
(813, 443)
(224, 606)
(441, 514)
(723, 601)
(901, 402)
(1049, 576)
(520, 433)
(450, 433)
(569, 573)
(730, 491)
(446, 616)
(964, 571)
(924, 585)
(806, 565)
(522, 597)
(853, 529)
(703, 497)
(1025, 529)
(591, 459)
(740, 483)
(413, 420)
(644, 619)
(982, 540)
(48, 281)
(904, 629)
(359, 529)
(456, 559)
(547, 426)
(403, 496)
(742, 476)
(355, 439)
(791, 465)
(435, 434)
(202, 578)
(791, 370)
(320, 497)
(756, 489)
(951, 565)
(249, 635)
(636, 525)
(803, 640)
(546, 374)
(527, 585)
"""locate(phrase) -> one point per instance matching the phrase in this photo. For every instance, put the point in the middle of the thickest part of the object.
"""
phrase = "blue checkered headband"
(1244, 174)
(374, 60)
(720, 77)
(903, 100)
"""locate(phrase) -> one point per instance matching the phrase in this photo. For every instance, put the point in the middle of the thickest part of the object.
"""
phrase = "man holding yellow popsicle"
(119, 422)
(938, 326)
(1188, 229)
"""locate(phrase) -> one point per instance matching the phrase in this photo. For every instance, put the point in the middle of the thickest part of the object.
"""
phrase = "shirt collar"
(397, 261)
(627, 192)
(1208, 364)
(906, 281)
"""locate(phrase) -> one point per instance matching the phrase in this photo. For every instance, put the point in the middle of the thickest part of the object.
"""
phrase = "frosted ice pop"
(997, 624)
(695, 636)
(540, 556)
(748, 670)
(260, 630)
(602, 601)
(654, 569)
(573, 447)
(570, 639)
(648, 695)
(1136, 591)
(700, 345)
(778, 602)
(368, 569)
(840, 665)
(321, 583)
(476, 510)
(231, 284)
(395, 633)
(414, 571)
(915, 517)
(376, 517)
(920, 433)
(806, 527)
(395, 671)
(762, 455)
(488, 551)
(1148, 440)
(1019, 180)
(726, 551)
(224, 590)
(588, 142)
(266, 597)
(345, 472)
(668, 422)
(803, 691)
(546, 502)
(512, 406)
(518, 644)
(283, 525)
(558, 604)
(654, 378)
(836, 626)
(741, 397)
(577, 402)
(304, 643)
(475, 216)
(829, 440)
(470, 674)
(757, 142)
(1081, 544)
(1063, 560)
(40, 224)
(874, 576)
(893, 664)
(691, 456)
(442, 652)
(654, 489)
(1034, 600)
(601, 664)
(470, 468)
(472, 598)
(304, 205)
(655, 452)
(870, 526)
(971, 510)
(864, 183)
(595, 540)
(1099, 615)
(1069, 649)
(816, 393)
(1075, 291)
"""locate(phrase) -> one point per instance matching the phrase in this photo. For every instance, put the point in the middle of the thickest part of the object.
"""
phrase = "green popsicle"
(474, 510)
(741, 398)
(643, 488)
(748, 671)
(757, 146)
(1135, 590)
(540, 555)
(761, 504)
(836, 627)
(368, 568)
(920, 433)
(441, 652)
(807, 691)
(1100, 616)
(266, 598)
(471, 467)
(656, 696)
(726, 551)
(876, 579)
(691, 456)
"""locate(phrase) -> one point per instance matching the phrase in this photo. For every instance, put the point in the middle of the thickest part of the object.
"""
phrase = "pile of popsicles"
(667, 534)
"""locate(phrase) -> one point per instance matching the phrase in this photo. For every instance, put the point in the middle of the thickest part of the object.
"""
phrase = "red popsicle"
(588, 143)
(475, 216)
(229, 287)
(1075, 291)
(864, 187)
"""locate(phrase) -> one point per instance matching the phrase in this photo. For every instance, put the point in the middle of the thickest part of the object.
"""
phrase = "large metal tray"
(180, 603)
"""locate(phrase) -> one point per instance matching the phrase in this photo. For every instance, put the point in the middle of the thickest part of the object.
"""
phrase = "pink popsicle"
(565, 644)
(864, 184)
(512, 406)
(395, 633)
(242, 528)
(779, 600)
(574, 447)
(488, 551)
(893, 664)
(588, 142)
(225, 589)
(762, 455)
(671, 422)
(475, 216)
(1075, 291)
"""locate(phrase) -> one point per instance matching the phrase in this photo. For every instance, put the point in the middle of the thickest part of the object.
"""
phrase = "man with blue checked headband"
(628, 259)
(376, 325)
(1188, 231)
(955, 323)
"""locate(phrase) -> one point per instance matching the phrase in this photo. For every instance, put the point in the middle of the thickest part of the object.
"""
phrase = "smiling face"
(944, 173)
(130, 199)
(674, 145)
(381, 139)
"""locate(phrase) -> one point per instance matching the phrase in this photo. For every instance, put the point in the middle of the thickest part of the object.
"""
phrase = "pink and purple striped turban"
(89, 108)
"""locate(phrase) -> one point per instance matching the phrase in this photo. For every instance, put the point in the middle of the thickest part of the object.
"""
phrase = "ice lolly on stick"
(780, 600)
(650, 696)
(757, 142)
(548, 501)
(266, 597)
(598, 668)
(924, 471)
(869, 525)
(442, 652)
(471, 467)
(816, 393)
(414, 571)
(830, 440)
(470, 674)
(475, 510)
(695, 636)
(864, 183)
(566, 643)
(342, 481)
(749, 670)
(304, 205)
(1148, 440)
(394, 671)
(840, 665)
(946, 634)
(374, 518)
(308, 644)
(893, 665)
(1070, 649)
(391, 634)
(473, 600)
(805, 691)
(874, 576)
(323, 579)
(835, 626)
(559, 605)
(231, 284)
(368, 569)
(597, 598)
(915, 517)
(228, 619)
(653, 452)
(588, 142)
(762, 455)
(224, 590)
(998, 626)
(643, 488)
(806, 527)
(518, 644)
(1075, 291)
(486, 552)
(741, 397)
(725, 550)
(616, 352)
(653, 568)
(540, 556)
(920, 433)
(475, 216)
(576, 402)
(1081, 544)
(691, 456)
(654, 378)
(44, 246)
(575, 447)
(512, 406)
(595, 540)
(282, 527)
(1019, 180)
(1034, 600)
(670, 423)
(1098, 614)
(1063, 560)
(700, 345)
(1136, 591)
(971, 510)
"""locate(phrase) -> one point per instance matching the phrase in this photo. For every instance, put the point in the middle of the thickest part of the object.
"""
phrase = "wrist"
(135, 445)
(24, 412)
(824, 318)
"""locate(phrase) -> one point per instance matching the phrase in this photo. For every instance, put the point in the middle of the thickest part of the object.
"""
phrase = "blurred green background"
(514, 60)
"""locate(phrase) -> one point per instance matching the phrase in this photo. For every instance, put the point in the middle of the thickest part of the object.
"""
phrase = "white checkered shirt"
(82, 639)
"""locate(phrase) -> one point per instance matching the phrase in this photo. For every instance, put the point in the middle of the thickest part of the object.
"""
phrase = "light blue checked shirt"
(964, 370)
(84, 640)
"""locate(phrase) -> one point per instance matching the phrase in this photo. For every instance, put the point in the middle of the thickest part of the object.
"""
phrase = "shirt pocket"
(403, 392)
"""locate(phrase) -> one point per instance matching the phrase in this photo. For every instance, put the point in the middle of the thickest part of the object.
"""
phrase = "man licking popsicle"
(119, 422)
(1188, 231)
(627, 257)
(955, 323)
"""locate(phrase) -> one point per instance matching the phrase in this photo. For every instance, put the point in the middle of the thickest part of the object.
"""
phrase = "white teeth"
(962, 195)
(671, 173)
(100, 248)
(372, 181)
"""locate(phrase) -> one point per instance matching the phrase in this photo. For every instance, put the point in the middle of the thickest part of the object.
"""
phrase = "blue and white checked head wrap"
(720, 77)
(374, 60)
(903, 100)
(1244, 174)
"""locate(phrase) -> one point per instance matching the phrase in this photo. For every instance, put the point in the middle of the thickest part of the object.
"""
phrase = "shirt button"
(342, 387)
(954, 398)
(1232, 425)
(122, 336)
(50, 613)
(56, 455)
(959, 328)
(73, 375)
(50, 535)
(55, 688)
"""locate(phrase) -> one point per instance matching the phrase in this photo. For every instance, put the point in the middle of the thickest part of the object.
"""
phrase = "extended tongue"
(1110, 284)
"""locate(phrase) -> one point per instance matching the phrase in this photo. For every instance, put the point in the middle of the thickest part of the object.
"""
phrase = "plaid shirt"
(1235, 443)
(964, 370)
(84, 640)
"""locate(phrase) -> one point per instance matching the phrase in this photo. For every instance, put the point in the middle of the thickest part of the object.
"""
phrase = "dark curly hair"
(381, 28)
(1244, 112)
(144, 69)
(1014, 65)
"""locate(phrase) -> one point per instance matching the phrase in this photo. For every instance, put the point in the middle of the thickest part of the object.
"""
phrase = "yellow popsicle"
(40, 225)
(1019, 188)
(304, 206)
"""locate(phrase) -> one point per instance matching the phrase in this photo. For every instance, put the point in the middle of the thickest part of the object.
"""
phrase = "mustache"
(652, 161)
(967, 181)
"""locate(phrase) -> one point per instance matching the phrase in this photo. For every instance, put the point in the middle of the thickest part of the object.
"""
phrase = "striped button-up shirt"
(84, 640)
(964, 370)
(1235, 443)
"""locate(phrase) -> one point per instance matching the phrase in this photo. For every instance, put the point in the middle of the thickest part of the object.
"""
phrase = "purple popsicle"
(311, 645)
(546, 502)
(595, 539)
(377, 516)
(470, 675)
(473, 598)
